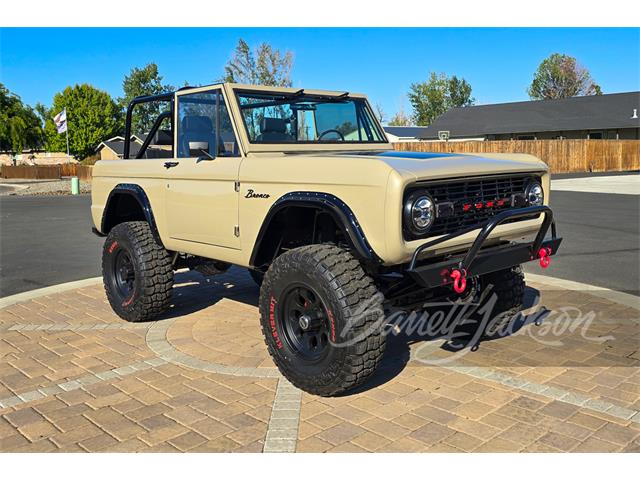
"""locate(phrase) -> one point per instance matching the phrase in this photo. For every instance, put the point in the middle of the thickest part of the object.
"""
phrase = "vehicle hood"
(428, 165)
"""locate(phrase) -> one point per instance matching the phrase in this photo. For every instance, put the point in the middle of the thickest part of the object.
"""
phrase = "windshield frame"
(328, 144)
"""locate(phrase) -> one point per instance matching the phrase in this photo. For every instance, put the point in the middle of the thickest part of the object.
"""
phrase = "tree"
(459, 92)
(17, 130)
(92, 116)
(262, 66)
(143, 81)
(380, 113)
(400, 119)
(434, 97)
(19, 124)
(560, 76)
(43, 113)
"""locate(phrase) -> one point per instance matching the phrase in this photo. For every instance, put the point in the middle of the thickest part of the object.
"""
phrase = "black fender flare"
(340, 212)
(138, 193)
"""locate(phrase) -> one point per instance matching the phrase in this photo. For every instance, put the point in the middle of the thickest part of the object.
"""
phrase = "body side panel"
(148, 174)
(359, 183)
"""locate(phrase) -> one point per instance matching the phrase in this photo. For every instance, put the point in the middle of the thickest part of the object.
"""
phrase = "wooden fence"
(46, 171)
(560, 155)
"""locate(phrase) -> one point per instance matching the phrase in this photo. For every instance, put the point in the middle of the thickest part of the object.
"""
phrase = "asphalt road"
(601, 242)
(48, 240)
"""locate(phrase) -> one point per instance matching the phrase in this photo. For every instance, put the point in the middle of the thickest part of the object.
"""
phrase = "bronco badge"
(252, 194)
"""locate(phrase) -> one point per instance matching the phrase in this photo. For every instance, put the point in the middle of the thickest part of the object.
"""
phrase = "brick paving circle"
(177, 342)
(74, 377)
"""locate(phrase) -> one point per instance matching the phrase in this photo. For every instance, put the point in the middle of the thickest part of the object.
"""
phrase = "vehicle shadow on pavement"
(464, 336)
(193, 292)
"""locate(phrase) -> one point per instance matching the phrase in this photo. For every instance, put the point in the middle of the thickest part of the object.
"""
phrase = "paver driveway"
(74, 377)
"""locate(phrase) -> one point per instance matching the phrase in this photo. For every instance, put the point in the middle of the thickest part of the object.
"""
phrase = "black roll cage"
(162, 97)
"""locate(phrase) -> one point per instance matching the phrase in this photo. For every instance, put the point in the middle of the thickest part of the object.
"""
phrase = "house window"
(595, 135)
(526, 137)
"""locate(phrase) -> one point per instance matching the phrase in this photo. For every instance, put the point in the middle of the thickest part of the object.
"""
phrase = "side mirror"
(204, 155)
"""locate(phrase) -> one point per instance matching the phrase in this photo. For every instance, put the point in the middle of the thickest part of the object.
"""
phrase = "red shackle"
(544, 254)
(459, 280)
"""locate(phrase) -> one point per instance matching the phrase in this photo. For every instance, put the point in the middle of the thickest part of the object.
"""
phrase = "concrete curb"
(52, 290)
(16, 186)
(612, 295)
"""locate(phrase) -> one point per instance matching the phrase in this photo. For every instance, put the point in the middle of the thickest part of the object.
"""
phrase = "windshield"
(302, 118)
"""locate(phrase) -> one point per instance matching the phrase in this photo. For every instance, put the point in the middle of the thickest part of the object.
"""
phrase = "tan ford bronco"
(302, 188)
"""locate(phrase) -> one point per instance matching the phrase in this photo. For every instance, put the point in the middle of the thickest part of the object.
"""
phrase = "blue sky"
(381, 62)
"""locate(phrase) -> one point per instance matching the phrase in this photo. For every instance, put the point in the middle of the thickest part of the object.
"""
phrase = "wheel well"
(295, 226)
(122, 207)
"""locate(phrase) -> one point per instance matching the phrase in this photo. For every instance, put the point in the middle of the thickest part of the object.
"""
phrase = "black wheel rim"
(305, 322)
(124, 274)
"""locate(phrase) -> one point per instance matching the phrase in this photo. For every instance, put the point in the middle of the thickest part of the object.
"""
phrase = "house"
(405, 134)
(113, 148)
(35, 157)
(612, 116)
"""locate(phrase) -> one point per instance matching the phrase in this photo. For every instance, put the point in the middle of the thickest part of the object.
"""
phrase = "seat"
(197, 135)
(273, 130)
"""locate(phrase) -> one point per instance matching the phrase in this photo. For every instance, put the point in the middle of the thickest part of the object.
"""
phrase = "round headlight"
(534, 194)
(420, 213)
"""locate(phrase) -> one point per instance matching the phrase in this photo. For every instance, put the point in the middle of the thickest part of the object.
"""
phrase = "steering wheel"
(331, 130)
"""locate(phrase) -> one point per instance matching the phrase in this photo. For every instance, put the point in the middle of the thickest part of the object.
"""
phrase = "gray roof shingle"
(408, 131)
(577, 113)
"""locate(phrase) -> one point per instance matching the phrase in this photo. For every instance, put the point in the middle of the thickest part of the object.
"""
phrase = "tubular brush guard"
(478, 261)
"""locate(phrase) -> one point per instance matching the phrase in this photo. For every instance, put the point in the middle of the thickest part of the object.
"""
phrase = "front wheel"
(137, 272)
(509, 286)
(322, 319)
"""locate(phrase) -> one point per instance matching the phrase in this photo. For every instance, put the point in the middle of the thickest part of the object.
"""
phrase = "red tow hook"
(544, 254)
(459, 280)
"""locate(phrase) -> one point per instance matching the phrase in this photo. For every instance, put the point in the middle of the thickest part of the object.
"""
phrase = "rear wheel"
(322, 319)
(137, 272)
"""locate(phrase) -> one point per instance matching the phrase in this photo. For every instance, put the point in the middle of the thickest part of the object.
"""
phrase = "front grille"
(470, 192)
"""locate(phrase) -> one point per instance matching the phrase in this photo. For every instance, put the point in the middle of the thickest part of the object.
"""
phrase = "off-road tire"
(152, 282)
(509, 286)
(256, 276)
(343, 286)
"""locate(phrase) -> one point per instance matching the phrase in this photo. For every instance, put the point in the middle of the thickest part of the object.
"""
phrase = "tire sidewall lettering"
(328, 367)
(272, 321)
(122, 243)
(332, 325)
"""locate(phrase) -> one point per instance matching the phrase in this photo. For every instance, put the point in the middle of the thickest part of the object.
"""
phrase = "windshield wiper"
(289, 98)
(337, 98)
